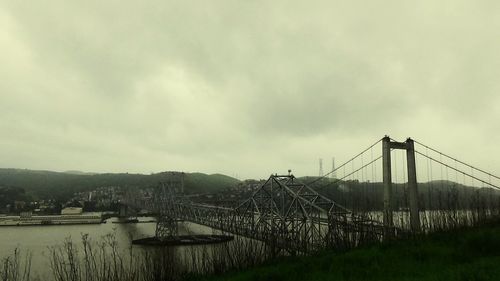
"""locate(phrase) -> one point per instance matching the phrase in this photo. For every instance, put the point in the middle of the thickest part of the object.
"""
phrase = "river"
(37, 239)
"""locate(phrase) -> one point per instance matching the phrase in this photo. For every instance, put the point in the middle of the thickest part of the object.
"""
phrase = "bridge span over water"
(369, 202)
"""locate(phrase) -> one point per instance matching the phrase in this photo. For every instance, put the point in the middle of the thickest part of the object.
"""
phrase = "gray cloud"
(245, 88)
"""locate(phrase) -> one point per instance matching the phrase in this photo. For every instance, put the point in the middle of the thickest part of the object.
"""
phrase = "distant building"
(25, 215)
(18, 205)
(72, 211)
(343, 187)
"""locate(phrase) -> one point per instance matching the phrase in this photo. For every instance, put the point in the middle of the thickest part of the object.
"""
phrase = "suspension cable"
(457, 170)
(456, 160)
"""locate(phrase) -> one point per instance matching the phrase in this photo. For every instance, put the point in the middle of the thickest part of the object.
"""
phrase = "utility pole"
(334, 173)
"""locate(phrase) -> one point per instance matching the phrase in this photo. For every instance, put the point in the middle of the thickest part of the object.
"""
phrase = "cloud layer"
(243, 88)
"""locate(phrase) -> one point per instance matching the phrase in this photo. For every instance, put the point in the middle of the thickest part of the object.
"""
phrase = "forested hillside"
(44, 184)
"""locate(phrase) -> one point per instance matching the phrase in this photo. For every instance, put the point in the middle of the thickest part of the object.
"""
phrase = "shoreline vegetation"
(460, 254)
(102, 259)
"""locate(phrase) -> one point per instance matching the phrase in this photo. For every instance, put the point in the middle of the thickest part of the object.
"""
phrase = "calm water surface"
(37, 239)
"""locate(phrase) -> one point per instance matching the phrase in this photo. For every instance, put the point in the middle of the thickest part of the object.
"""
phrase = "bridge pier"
(126, 211)
(123, 211)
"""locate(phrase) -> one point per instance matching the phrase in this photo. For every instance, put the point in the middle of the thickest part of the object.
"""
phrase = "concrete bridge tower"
(408, 145)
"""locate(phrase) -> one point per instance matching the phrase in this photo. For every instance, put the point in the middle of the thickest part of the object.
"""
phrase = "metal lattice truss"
(165, 206)
(283, 213)
(293, 216)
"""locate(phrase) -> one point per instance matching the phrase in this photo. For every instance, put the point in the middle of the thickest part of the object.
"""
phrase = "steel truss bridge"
(288, 214)
(284, 213)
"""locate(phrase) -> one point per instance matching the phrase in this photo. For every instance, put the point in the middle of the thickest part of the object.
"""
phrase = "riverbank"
(468, 254)
(41, 220)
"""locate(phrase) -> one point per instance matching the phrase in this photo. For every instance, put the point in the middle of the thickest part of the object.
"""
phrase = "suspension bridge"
(390, 189)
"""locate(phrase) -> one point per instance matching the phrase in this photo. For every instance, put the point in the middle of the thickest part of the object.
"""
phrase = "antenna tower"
(334, 173)
(321, 167)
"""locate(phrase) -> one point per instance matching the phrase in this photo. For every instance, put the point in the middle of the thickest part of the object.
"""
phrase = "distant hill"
(71, 172)
(43, 184)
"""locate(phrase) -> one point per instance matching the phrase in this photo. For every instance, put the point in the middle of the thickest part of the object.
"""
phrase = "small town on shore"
(96, 206)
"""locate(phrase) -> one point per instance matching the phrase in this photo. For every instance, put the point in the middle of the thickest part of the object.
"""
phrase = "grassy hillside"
(62, 185)
(472, 254)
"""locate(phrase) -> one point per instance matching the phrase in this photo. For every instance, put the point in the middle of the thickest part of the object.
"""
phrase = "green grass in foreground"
(471, 254)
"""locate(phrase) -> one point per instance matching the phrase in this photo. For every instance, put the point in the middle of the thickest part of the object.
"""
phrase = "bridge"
(369, 202)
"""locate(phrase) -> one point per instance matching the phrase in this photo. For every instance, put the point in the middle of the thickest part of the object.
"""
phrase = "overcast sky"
(244, 88)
